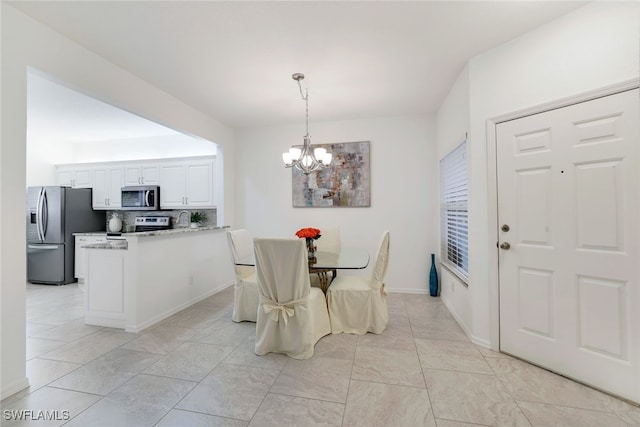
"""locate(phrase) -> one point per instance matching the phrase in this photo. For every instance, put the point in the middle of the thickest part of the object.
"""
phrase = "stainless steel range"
(152, 223)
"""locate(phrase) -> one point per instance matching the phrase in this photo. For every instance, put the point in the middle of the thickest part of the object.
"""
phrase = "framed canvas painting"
(345, 183)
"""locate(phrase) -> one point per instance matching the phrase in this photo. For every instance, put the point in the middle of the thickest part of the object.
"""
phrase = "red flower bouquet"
(308, 233)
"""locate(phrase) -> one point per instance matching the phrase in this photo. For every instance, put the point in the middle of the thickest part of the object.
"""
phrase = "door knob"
(505, 245)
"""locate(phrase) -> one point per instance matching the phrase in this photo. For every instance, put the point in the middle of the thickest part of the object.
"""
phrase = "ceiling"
(233, 60)
(56, 113)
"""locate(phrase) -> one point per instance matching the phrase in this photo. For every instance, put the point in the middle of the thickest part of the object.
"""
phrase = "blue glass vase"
(433, 278)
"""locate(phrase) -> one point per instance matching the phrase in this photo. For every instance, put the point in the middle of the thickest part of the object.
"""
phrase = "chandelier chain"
(305, 98)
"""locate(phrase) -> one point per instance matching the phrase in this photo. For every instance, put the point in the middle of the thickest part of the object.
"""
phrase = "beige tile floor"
(198, 368)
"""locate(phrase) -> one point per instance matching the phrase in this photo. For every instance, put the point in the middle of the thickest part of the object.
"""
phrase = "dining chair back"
(292, 316)
(245, 290)
(382, 260)
(358, 304)
(329, 240)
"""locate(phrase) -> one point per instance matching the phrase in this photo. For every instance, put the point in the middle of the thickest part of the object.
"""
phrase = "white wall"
(592, 47)
(453, 125)
(403, 190)
(42, 154)
(26, 43)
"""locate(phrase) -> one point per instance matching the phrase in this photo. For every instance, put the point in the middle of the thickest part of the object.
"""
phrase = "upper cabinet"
(187, 184)
(184, 183)
(142, 174)
(74, 176)
(107, 184)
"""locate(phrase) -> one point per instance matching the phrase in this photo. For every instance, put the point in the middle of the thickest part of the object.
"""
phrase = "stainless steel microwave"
(141, 198)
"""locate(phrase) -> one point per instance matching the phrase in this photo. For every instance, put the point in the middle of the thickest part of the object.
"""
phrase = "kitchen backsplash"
(128, 217)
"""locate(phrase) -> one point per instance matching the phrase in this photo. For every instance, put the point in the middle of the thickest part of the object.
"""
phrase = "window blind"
(454, 227)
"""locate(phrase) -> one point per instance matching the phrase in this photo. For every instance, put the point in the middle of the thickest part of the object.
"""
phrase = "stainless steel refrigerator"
(53, 215)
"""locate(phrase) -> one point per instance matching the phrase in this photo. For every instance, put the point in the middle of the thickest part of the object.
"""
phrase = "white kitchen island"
(145, 277)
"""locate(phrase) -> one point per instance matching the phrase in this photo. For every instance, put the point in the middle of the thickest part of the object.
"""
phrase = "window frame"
(454, 213)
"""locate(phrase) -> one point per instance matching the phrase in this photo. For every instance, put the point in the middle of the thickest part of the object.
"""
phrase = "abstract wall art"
(346, 183)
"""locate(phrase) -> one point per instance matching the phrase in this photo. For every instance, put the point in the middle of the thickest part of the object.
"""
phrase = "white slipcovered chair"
(328, 242)
(292, 316)
(358, 304)
(245, 290)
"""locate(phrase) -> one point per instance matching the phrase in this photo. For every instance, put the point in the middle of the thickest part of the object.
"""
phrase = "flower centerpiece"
(309, 234)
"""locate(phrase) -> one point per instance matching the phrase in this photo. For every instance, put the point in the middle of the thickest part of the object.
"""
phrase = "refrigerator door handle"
(43, 247)
(45, 213)
(39, 215)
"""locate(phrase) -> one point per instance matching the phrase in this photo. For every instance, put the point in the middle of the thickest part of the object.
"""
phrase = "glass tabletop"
(347, 259)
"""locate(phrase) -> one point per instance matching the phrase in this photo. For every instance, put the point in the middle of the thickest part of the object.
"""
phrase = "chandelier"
(305, 159)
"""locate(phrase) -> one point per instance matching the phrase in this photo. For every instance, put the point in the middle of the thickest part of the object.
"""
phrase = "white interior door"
(568, 192)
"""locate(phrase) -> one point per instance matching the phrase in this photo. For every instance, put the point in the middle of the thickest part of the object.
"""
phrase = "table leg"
(324, 281)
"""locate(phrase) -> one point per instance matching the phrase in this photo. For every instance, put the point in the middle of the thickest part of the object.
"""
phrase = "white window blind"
(454, 227)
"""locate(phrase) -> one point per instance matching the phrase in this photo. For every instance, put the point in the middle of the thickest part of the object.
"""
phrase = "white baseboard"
(406, 291)
(476, 340)
(14, 387)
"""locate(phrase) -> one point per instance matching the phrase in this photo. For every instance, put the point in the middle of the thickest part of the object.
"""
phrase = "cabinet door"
(172, 185)
(79, 266)
(64, 177)
(114, 198)
(100, 188)
(82, 178)
(200, 184)
(150, 174)
(142, 174)
(132, 175)
(74, 177)
(107, 183)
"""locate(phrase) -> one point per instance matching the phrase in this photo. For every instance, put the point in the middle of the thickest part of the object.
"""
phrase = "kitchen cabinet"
(107, 184)
(79, 271)
(142, 174)
(72, 176)
(187, 184)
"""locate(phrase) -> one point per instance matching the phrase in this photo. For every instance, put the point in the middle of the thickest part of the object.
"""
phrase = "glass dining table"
(328, 262)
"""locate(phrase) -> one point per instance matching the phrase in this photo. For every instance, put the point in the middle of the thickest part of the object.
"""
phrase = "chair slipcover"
(329, 240)
(245, 290)
(292, 316)
(358, 304)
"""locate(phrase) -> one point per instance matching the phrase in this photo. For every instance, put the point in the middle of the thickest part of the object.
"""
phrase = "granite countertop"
(156, 233)
(92, 233)
(175, 231)
(120, 244)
